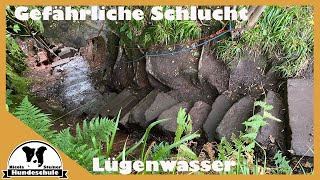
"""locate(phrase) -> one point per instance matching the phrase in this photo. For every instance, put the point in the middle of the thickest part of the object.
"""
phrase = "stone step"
(60, 62)
(67, 52)
(169, 127)
(124, 101)
(219, 108)
(161, 103)
(137, 114)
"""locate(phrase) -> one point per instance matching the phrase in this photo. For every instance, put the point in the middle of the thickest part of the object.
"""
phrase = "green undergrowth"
(146, 32)
(17, 85)
(96, 137)
(283, 33)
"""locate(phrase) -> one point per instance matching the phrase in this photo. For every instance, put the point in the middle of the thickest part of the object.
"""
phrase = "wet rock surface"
(219, 108)
(76, 88)
(300, 102)
(273, 134)
(235, 116)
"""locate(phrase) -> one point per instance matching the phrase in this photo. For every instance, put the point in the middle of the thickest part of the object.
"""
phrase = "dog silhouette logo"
(34, 155)
(34, 159)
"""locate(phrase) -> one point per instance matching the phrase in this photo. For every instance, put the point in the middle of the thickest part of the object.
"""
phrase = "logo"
(34, 159)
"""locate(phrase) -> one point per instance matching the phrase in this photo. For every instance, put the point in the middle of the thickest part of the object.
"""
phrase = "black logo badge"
(34, 159)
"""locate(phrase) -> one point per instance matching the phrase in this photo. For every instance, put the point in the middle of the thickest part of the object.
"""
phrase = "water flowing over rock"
(76, 87)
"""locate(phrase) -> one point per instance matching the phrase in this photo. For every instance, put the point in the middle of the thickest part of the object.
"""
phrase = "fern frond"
(81, 153)
(184, 124)
(95, 133)
(35, 119)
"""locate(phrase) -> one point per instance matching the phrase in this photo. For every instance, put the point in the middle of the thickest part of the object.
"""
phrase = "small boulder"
(300, 102)
(198, 114)
(179, 71)
(219, 108)
(66, 52)
(43, 57)
(161, 103)
(170, 126)
(274, 130)
(235, 116)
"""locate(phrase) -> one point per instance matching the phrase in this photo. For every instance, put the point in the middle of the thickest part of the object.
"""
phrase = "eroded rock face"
(170, 126)
(123, 72)
(101, 56)
(219, 108)
(73, 33)
(140, 74)
(95, 53)
(273, 134)
(235, 116)
(300, 102)
(198, 114)
(161, 103)
(213, 71)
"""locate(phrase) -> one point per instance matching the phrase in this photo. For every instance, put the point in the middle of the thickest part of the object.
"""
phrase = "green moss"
(15, 66)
